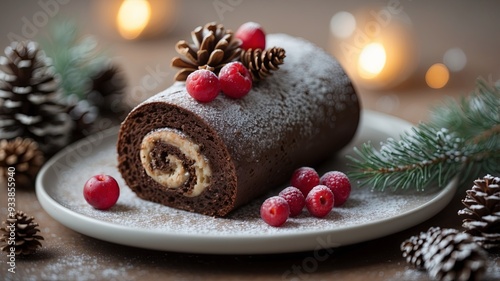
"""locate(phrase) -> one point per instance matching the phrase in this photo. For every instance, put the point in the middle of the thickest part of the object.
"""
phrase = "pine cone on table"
(482, 212)
(213, 47)
(412, 248)
(108, 86)
(83, 115)
(22, 158)
(30, 105)
(260, 63)
(26, 239)
(447, 254)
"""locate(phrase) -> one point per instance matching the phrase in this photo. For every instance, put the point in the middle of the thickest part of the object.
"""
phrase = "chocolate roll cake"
(213, 157)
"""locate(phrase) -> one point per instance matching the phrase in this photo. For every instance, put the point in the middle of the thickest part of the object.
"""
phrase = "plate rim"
(129, 235)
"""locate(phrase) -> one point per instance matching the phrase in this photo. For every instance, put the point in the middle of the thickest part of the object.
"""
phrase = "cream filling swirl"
(177, 174)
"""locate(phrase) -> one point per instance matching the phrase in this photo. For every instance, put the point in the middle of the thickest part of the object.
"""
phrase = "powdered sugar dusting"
(363, 207)
(67, 179)
(307, 69)
(73, 263)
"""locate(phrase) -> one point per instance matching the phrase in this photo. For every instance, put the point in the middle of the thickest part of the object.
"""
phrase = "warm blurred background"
(396, 51)
(403, 56)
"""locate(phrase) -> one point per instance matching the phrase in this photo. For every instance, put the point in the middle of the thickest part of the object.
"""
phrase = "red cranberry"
(101, 191)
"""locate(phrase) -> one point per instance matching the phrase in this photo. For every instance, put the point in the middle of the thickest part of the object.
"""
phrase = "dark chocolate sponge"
(211, 158)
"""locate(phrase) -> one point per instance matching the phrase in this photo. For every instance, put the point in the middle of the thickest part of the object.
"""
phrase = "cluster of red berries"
(101, 191)
(318, 195)
(234, 79)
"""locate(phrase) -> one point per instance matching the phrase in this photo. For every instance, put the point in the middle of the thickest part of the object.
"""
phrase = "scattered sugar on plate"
(364, 206)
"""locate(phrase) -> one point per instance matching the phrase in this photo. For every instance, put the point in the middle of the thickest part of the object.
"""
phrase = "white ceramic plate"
(132, 221)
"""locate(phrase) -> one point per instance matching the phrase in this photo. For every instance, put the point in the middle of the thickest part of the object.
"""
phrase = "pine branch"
(462, 138)
(420, 156)
(89, 80)
(75, 58)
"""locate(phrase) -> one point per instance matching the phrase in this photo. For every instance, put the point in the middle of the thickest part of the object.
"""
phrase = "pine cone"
(482, 212)
(260, 63)
(446, 254)
(108, 84)
(29, 104)
(107, 93)
(213, 47)
(83, 115)
(26, 239)
(412, 248)
(22, 158)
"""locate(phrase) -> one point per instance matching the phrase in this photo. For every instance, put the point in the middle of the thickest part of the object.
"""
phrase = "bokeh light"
(133, 17)
(372, 60)
(342, 24)
(455, 59)
(437, 76)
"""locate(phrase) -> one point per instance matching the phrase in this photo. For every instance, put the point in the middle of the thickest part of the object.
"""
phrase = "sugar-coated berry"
(339, 184)
(320, 201)
(305, 178)
(252, 36)
(203, 85)
(295, 199)
(235, 80)
(275, 211)
(101, 191)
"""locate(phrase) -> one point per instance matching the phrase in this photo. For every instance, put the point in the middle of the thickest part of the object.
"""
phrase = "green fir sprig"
(76, 58)
(462, 138)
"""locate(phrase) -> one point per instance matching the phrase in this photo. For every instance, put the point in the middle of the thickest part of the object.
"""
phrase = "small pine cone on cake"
(213, 47)
(261, 63)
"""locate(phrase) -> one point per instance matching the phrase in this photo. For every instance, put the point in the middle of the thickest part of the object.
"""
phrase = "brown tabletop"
(68, 255)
